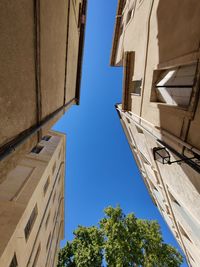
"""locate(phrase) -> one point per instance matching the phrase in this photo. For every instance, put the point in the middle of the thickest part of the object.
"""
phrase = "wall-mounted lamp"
(161, 155)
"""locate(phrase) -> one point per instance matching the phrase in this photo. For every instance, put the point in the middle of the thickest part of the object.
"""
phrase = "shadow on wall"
(179, 36)
(178, 28)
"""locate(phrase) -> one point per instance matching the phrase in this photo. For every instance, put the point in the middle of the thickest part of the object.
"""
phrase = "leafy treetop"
(120, 241)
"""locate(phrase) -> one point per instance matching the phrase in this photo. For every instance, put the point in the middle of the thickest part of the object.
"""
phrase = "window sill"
(134, 94)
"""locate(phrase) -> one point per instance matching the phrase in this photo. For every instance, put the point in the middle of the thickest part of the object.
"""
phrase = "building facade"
(41, 47)
(158, 45)
(32, 206)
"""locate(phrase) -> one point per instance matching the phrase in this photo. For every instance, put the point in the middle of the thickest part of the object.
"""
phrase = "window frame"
(157, 74)
(31, 221)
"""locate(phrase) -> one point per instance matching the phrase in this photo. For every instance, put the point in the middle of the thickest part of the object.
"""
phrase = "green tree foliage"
(123, 241)
(88, 246)
(66, 256)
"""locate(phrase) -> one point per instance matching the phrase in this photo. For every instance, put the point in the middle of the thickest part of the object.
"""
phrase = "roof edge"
(116, 32)
(80, 51)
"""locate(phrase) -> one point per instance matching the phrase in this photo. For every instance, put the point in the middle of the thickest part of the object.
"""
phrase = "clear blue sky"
(100, 169)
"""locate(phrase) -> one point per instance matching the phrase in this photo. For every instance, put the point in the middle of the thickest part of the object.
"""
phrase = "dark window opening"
(30, 222)
(46, 185)
(54, 217)
(37, 149)
(173, 199)
(47, 220)
(54, 196)
(54, 168)
(48, 241)
(183, 232)
(135, 87)
(139, 129)
(129, 15)
(14, 262)
(46, 137)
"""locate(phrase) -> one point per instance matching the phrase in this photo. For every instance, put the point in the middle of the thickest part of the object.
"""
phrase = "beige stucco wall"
(17, 43)
(17, 68)
(179, 181)
(53, 53)
(160, 39)
(163, 35)
(39, 55)
(19, 193)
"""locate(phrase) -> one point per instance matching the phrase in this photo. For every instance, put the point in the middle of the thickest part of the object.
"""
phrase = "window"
(129, 16)
(48, 241)
(37, 149)
(14, 262)
(59, 179)
(183, 232)
(128, 85)
(173, 199)
(135, 87)
(46, 185)
(54, 168)
(139, 130)
(46, 137)
(174, 86)
(47, 220)
(30, 222)
(59, 155)
(54, 217)
(36, 256)
(54, 196)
